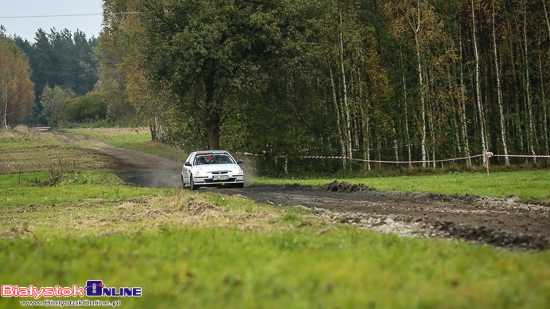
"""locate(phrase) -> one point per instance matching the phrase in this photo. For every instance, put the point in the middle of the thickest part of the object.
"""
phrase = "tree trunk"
(344, 84)
(432, 133)
(406, 107)
(395, 145)
(337, 109)
(378, 152)
(478, 90)
(431, 107)
(366, 140)
(364, 124)
(212, 121)
(457, 136)
(153, 131)
(532, 131)
(544, 117)
(453, 91)
(545, 128)
(516, 121)
(5, 110)
(213, 130)
(499, 94)
(416, 31)
(464, 124)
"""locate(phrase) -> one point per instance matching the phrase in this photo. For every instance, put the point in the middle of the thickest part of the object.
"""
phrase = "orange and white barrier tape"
(391, 162)
(490, 154)
(327, 157)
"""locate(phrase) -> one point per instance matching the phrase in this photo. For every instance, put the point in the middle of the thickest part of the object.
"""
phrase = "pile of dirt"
(344, 186)
(297, 186)
(499, 238)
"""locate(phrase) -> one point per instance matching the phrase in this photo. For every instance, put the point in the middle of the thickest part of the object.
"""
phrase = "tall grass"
(68, 186)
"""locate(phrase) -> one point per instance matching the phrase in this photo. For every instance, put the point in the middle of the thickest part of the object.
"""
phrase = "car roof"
(206, 152)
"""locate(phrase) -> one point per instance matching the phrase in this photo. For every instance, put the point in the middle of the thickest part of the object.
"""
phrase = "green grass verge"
(528, 185)
(193, 267)
(66, 187)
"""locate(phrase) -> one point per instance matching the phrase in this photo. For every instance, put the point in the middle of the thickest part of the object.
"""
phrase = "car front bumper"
(208, 181)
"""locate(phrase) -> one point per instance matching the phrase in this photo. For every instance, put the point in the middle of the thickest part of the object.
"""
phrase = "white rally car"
(211, 168)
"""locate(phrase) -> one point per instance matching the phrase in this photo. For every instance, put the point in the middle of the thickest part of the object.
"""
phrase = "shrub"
(88, 107)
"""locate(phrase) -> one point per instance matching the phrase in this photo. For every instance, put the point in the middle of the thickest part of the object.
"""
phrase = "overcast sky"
(26, 27)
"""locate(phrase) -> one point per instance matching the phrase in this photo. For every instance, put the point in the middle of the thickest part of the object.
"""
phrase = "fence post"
(487, 156)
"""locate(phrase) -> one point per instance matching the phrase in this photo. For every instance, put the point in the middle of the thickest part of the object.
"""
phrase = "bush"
(88, 107)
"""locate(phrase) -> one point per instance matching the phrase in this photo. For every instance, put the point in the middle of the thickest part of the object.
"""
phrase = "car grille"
(219, 172)
(220, 181)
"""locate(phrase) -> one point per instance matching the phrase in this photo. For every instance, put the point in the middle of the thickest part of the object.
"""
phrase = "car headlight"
(237, 171)
(201, 173)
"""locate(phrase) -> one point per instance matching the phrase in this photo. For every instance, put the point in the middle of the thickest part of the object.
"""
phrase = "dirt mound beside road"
(343, 186)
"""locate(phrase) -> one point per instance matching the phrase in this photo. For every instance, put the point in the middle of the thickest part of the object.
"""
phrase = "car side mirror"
(239, 161)
(187, 164)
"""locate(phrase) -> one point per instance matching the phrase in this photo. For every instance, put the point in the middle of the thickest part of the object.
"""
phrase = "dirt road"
(132, 166)
(499, 222)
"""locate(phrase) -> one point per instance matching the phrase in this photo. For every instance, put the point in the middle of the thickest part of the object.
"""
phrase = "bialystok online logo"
(94, 288)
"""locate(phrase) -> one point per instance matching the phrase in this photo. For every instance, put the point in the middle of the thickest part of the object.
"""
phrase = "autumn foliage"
(16, 88)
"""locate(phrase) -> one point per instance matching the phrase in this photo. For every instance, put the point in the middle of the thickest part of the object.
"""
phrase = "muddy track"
(494, 221)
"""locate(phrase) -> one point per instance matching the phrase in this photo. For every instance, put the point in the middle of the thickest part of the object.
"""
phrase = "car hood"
(216, 167)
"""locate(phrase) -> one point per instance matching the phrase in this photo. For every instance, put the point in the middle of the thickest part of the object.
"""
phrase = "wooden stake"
(487, 156)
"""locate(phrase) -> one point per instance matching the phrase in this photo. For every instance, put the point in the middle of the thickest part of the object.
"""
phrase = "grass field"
(67, 187)
(202, 267)
(194, 250)
(27, 151)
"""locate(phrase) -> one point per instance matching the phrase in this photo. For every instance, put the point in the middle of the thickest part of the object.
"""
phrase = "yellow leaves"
(16, 88)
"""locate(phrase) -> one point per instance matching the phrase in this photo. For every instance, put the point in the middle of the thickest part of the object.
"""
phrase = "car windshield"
(213, 159)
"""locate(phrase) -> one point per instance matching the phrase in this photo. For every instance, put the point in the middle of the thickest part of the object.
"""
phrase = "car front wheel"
(192, 184)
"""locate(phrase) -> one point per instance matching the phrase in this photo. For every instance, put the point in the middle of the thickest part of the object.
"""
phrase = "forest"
(51, 79)
(376, 80)
(64, 72)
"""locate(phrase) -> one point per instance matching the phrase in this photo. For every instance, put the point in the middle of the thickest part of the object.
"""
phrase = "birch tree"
(499, 88)
(16, 88)
(416, 19)
(532, 132)
(54, 100)
(480, 109)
